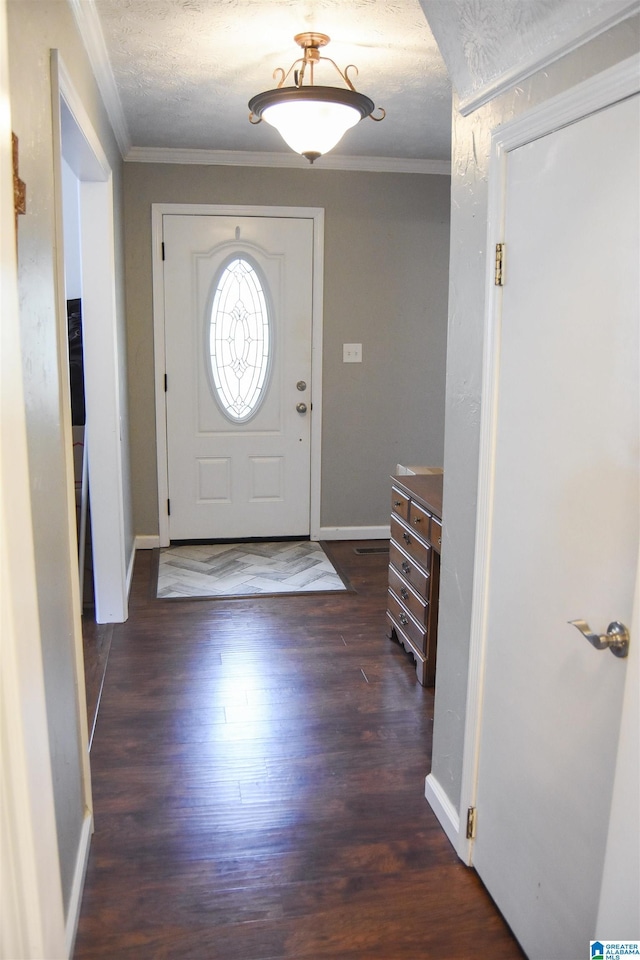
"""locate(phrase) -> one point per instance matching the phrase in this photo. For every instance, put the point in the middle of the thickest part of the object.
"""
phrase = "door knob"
(615, 639)
(301, 407)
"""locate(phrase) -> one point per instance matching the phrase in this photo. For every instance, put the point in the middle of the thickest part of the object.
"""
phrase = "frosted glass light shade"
(311, 120)
(311, 127)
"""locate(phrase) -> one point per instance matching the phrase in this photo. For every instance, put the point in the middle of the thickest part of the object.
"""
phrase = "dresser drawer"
(419, 520)
(436, 534)
(415, 604)
(415, 575)
(414, 567)
(410, 542)
(416, 633)
(424, 671)
(399, 503)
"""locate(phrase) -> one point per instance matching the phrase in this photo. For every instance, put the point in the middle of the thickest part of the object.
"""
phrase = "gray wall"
(468, 272)
(34, 28)
(385, 286)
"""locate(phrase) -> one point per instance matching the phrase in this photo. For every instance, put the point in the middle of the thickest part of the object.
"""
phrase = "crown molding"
(88, 23)
(90, 28)
(576, 37)
(248, 158)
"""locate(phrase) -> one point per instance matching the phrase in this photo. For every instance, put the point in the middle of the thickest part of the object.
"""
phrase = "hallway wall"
(385, 286)
(33, 30)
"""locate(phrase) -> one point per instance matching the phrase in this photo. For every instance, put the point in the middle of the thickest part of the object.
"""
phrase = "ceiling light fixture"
(311, 119)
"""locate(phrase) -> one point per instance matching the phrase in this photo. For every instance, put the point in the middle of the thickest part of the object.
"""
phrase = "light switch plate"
(352, 353)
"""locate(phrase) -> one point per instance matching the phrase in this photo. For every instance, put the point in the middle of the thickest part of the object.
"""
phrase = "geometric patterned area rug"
(246, 570)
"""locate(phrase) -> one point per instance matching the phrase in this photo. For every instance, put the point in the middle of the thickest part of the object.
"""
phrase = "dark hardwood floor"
(258, 769)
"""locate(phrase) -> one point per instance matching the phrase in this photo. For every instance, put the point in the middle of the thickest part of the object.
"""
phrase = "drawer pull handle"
(404, 620)
(404, 593)
(397, 503)
(406, 567)
(406, 538)
(417, 519)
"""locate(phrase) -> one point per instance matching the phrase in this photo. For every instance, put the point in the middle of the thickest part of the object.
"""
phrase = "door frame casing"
(316, 214)
(599, 92)
(78, 143)
(31, 899)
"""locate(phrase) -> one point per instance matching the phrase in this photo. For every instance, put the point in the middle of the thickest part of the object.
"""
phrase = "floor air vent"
(364, 550)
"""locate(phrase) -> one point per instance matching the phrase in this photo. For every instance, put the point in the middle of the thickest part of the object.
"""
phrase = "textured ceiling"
(487, 42)
(185, 70)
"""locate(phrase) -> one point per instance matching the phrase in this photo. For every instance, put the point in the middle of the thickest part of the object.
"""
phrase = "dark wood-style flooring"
(258, 774)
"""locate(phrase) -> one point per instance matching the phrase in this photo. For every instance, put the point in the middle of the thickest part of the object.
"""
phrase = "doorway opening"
(215, 473)
(87, 275)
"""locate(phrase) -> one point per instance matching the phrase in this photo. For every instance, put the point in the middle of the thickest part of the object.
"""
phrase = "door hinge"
(499, 278)
(168, 507)
(165, 383)
(471, 823)
(162, 249)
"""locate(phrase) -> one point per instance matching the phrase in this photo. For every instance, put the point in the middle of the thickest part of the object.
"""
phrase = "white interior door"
(238, 397)
(564, 526)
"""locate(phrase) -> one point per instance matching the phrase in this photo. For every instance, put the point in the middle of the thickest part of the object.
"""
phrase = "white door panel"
(565, 526)
(229, 478)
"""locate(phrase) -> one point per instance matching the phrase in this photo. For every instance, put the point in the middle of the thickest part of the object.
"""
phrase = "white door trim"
(617, 83)
(158, 210)
(87, 159)
(619, 907)
(31, 902)
(75, 137)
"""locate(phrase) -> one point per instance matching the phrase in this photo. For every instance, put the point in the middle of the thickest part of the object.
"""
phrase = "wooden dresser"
(414, 568)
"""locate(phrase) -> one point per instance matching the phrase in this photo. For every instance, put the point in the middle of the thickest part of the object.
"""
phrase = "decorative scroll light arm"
(311, 43)
(345, 76)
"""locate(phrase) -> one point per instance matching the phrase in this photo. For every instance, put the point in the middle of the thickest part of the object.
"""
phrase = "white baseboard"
(77, 887)
(141, 542)
(354, 533)
(132, 560)
(147, 542)
(444, 810)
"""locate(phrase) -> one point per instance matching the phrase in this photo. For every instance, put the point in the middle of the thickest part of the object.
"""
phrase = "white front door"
(564, 526)
(238, 325)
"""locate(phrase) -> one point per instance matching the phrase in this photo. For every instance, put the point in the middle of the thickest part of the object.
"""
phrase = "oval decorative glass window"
(239, 340)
